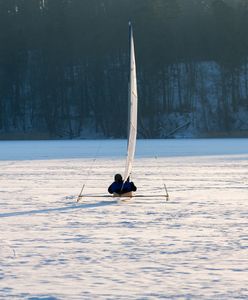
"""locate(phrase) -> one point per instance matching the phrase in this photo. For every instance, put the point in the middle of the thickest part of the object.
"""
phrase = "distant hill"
(64, 68)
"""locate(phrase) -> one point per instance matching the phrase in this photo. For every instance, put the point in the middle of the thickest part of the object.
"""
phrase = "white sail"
(133, 103)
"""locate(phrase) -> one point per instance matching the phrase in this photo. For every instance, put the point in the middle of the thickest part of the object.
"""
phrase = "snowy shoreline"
(60, 149)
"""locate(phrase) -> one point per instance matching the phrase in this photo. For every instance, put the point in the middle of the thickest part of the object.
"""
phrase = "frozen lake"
(195, 246)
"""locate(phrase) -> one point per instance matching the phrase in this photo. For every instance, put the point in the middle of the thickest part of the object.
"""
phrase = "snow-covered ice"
(195, 246)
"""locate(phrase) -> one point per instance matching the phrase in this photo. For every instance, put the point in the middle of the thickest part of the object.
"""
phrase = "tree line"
(64, 66)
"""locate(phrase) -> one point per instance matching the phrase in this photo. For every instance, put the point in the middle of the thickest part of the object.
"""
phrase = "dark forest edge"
(64, 68)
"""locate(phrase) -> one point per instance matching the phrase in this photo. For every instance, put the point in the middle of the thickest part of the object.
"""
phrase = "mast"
(132, 108)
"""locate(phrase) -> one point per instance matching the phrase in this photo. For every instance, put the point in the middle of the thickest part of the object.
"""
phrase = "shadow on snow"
(59, 209)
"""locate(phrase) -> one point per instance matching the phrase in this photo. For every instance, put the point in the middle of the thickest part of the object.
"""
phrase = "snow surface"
(195, 246)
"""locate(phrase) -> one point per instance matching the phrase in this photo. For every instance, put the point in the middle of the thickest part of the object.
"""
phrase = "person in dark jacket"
(118, 187)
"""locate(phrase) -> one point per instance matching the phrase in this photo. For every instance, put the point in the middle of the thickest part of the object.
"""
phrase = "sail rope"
(89, 170)
(163, 180)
